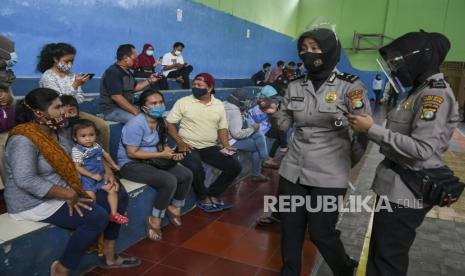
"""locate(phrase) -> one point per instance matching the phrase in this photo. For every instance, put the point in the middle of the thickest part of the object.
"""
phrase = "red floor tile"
(225, 267)
(266, 272)
(194, 223)
(247, 253)
(150, 250)
(139, 270)
(212, 245)
(176, 235)
(189, 260)
(163, 270)
(262, 238)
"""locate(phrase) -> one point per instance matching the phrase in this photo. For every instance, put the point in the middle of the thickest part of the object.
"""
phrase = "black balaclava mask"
(320, 66)
(422, 54)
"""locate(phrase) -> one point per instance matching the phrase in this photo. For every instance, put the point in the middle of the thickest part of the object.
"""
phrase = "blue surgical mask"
(156, 111)
(199, 92)
(149, 52)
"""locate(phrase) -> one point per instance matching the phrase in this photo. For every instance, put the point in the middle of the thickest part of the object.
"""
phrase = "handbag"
(435, 186)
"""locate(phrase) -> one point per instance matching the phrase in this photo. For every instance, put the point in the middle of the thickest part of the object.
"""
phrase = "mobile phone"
(227, 151)
(91, 75)
(343, 110)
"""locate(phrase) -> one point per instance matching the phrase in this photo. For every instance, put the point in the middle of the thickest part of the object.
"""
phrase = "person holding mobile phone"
(55, 62)
(318, 162)
(175, 67)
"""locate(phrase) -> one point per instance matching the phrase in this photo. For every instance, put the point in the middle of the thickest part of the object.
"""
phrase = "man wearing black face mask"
(321, 152)
(417, 134)
(203, 121)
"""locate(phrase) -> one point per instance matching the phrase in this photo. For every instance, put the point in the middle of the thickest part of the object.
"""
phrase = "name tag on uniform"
(297, 99)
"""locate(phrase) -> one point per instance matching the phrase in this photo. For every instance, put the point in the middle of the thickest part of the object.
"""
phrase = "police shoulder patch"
(437, 84)
(429, 106)
(356, 98)
(347, 77)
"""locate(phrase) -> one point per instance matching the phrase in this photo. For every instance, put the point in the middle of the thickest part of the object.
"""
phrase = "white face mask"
(177, 53)
(63, 67)
(13, 60)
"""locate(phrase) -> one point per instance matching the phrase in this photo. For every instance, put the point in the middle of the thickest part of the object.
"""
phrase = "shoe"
(270, 164)
(209, 207)
(260, 178)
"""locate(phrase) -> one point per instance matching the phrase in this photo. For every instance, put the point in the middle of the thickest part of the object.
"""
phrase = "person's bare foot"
(57, 269)
(174, 215)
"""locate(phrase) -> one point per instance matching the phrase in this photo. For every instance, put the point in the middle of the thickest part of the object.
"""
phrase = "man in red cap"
(203, 122)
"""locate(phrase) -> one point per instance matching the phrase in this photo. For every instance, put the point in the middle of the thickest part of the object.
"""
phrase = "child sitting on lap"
(89, 158)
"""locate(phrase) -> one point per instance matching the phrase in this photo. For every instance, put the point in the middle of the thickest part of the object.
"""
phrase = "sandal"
(209, 207)
(267, 220)
(174, 219)
(117, 218)
(120, 262)
(157, 236)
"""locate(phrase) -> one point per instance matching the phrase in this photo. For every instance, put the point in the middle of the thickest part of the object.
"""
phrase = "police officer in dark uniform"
(417, 134)
(321, 149)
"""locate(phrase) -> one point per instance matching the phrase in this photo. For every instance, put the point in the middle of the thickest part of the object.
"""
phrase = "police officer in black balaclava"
(417, 134)
(317, 165)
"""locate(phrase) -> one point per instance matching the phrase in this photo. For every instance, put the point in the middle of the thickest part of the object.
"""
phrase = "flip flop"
(122, 263)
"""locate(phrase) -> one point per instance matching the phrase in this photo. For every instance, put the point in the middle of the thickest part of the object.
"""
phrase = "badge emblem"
(318, 62)
(331, 97)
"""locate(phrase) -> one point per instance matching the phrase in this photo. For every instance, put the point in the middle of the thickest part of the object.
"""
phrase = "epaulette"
(347, 77)
(437, 83)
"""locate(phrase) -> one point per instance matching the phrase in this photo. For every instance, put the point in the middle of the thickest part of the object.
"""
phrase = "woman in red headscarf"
(146, 63)
(145, 66)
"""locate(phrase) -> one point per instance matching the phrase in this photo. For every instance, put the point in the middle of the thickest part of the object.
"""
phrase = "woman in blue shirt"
(142, 148)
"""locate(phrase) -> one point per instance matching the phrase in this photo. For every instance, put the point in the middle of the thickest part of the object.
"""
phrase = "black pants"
(392, 236)
(280, 140)
(170, 184)
(378, 95)
(229, 166)
(321, 226)
(184, 73)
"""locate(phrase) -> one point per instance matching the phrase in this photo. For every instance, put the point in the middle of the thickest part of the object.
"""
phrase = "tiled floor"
(225, 243)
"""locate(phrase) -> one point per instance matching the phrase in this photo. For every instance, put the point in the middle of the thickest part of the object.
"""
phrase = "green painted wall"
(278, 15)
(391, 17)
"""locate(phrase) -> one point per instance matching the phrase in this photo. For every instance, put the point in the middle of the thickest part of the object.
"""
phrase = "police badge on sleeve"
(429, 106)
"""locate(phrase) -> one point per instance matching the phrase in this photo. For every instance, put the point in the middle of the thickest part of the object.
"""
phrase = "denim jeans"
(256, 144)
(119, 115)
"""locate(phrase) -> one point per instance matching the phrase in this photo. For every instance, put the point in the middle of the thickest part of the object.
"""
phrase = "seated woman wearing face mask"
(144, 141)
(319, 159)
(55, 62)
(417, 134)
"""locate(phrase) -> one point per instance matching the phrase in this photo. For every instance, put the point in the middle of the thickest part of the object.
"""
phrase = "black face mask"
(313, 62)
(199, 92)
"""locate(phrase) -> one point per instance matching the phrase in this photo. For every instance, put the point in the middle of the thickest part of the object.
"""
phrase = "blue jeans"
(256, 144)
(87, 228)
(119, 115)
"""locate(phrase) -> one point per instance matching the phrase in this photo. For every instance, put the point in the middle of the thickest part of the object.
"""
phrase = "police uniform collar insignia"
(347, 77)
(331, 96)
(332, 77)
